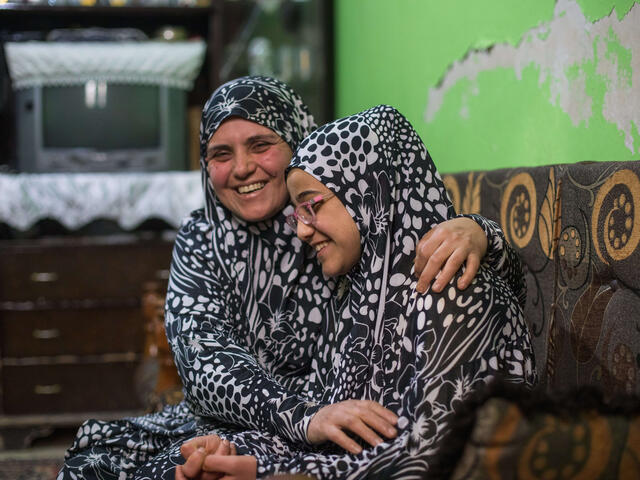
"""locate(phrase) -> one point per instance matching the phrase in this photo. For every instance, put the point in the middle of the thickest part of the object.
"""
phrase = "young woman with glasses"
(418, 355)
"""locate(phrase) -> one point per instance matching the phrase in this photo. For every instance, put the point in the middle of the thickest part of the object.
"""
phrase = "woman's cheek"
(218, 174)
(276, 162)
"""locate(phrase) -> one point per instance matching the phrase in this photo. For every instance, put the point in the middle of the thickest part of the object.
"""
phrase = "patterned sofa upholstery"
(577, 230)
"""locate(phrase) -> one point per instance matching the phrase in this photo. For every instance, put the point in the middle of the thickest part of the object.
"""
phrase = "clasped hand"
(212, 458)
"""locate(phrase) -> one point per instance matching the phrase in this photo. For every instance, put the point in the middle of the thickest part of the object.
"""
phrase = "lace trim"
(59, 63)
(75, 200)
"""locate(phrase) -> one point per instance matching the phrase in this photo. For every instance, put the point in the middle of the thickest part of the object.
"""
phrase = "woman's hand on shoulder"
(364, 418)
(444, 249)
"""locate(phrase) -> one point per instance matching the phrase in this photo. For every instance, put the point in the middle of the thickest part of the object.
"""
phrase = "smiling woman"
(246, 163)
(418, 355)
(392, 365)
(331, 232)
(239, 280)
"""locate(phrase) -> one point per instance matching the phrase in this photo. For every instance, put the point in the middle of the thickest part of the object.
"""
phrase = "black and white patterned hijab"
(377, 165)
(253, 281)
(263, 100)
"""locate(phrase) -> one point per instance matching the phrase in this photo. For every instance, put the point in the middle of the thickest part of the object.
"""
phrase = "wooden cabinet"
(72, 331)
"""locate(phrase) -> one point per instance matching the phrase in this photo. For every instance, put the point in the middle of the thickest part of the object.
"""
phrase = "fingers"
(193, 466)
(433, 270)
(224, 448)
(471, 268)
(384, 412)
(187, 448)
(443, 251)
(373, 416)
(361, 428)
(341, 439)
(366, 419)
(180, 474)
(208, 442)
(238, 467)
(425, 248)
(453, 264)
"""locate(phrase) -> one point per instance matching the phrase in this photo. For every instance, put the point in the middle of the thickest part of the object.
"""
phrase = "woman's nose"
(304, 231)
(243, 165)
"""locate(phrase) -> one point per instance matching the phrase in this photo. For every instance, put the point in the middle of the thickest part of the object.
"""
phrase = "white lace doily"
(76, 199)
(174, 64)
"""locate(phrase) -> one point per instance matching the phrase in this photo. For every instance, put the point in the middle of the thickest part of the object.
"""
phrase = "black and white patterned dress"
(251, 322)
(244, 307)
(417, 354)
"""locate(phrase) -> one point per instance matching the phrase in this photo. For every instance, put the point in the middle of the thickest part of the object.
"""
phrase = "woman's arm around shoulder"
(221, 376)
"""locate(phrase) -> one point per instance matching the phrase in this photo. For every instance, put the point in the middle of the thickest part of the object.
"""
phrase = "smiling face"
(335, 236)
(246, 163)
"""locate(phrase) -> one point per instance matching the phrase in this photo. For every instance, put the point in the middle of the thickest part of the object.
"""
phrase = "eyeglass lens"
(305, 213)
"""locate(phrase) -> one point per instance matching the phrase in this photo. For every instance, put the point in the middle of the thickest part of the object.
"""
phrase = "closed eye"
(219, 155)
(260, 146)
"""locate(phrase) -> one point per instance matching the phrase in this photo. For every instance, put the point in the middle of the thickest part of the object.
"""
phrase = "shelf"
(24, 22)
(104, 10)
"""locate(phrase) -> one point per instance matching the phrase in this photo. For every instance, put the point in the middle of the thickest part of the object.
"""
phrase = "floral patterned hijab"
(379, 168)
(262, 100)
(252, 283)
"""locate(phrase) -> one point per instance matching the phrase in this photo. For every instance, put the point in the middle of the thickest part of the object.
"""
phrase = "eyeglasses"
(305, 213)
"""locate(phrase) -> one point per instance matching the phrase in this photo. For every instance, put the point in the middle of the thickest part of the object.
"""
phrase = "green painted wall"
(498, 83)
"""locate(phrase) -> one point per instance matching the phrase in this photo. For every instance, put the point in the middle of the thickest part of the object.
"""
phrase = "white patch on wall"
(568, 40)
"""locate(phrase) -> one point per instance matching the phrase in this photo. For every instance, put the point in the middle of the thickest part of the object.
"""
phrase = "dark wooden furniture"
(72, 329)
(227, 26)
(20, 22)
(165, 385)
(74, 342)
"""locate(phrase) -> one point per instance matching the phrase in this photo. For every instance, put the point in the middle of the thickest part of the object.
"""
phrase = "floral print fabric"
(418, 355)
(256, 332)
(244, 307)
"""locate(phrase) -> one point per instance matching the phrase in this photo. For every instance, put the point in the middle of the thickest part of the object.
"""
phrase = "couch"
(577, 230)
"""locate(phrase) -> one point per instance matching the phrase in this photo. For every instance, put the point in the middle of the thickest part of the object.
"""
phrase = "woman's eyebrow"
(272, 137)
(305, 193)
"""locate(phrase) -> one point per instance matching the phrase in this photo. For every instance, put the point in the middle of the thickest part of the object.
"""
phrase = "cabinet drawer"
(62, 388)
(87, 331)
(80, 270)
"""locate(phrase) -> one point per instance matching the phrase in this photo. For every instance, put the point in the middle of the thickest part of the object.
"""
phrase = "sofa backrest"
(577, 229)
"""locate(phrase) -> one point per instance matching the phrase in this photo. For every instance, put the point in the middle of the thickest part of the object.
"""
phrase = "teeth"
(320, 246)
(251, 188)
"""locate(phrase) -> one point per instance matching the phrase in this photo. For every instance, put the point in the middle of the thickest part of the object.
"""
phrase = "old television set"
(102, 106)
(101, 126)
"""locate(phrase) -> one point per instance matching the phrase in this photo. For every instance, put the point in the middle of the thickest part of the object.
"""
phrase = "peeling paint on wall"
(568, 52)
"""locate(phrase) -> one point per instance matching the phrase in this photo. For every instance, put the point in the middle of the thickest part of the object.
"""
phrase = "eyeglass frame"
(292, 219)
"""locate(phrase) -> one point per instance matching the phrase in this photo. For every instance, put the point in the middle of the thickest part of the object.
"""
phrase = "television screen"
(104, 116)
